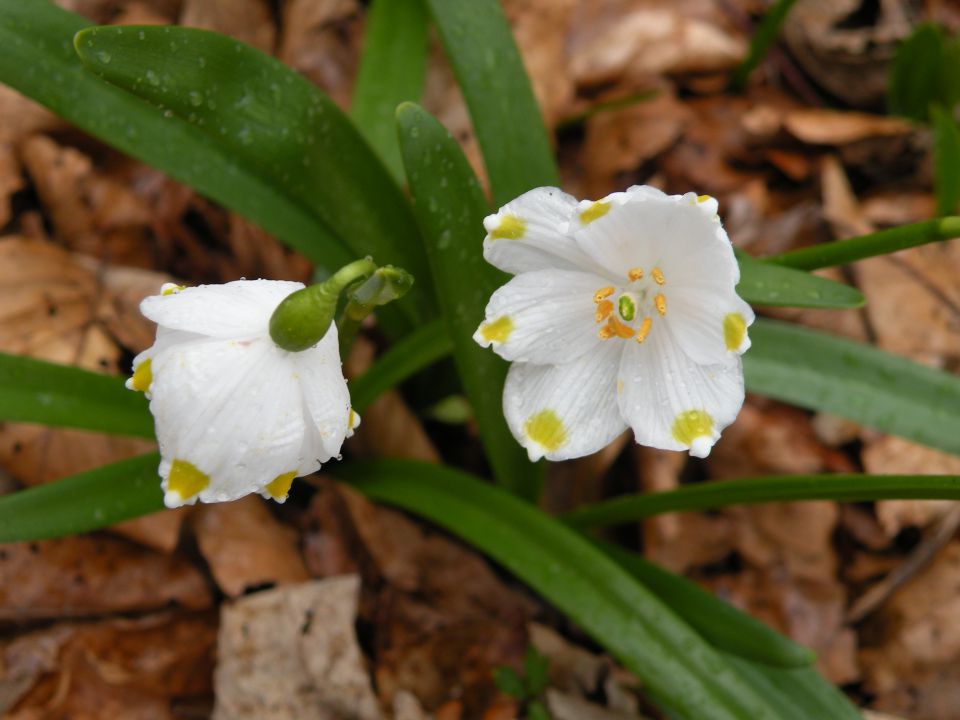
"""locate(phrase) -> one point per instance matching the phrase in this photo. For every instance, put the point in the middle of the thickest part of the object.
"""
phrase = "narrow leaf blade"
(504, 111)
(603, 599)
(416, 352)
(762, 283)
(41, 392)
(450, 208)
(38, 60)
(855, 381)
(265, 113)
(392, 70)
(946, 160)
(83, 502)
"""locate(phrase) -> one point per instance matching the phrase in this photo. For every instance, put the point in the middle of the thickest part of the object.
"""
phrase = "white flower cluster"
(622, 312)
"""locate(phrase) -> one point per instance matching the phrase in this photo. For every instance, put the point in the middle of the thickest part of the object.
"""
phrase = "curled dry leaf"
(115, 668)
(93, 575)
(846, 45)
(617, 39)
(892, 455)
(246, 547)
(292, 653)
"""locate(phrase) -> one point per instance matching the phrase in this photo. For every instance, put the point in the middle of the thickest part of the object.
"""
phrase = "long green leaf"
(865, 246)
(41, 392)
(801, 693)
(576, 577)
(450, 207)
(723, 625)
(265, 113)
(762, 283)
(505, 115)
(782, 488)
(415, 352)
(392, 70)
(855, 381)
(37, 58)
(761, 40)
(946, 160)
(916, 74)
(83, 502)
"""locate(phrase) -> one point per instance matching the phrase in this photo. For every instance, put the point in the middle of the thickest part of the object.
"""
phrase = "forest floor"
(146, 619)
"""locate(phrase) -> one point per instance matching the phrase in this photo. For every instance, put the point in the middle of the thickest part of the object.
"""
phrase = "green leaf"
(802, 693)
(39, 60)
(504, 111)
(855, 381)
(882, 242)
(450, 208)
(723, 625)
(417, 351)
(915, 75)
(536, 711)
(41, 392)
(946, 160)
(83, 502)
(509, 683)
(536, 671)
(949, 92)
(777, 488)
(761, 40)
(767, 284)
(392, 70)
(576, 577)
(274, 120)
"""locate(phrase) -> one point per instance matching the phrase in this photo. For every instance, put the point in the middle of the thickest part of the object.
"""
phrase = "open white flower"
(622, 313)
(234, 413)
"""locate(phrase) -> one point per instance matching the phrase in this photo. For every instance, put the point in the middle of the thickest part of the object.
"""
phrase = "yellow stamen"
(635, 274)
(644, 329)
(734, 329)
(510, 228)
(172, 289)
(497, 331)
(546, 429)
(658, 276)
(142, 376)
(279, 487)
(606, 332)
(661, 303)
(595, 211)
(604, 308)
(186, 480)
(603, 292)
(703, 198)
(618, 328)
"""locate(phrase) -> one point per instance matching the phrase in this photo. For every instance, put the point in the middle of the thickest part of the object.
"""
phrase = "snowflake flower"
(622, 312)
(234, 413)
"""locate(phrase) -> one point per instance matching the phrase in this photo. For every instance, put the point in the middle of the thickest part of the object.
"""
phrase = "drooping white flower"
(622, 312)
(234, 413)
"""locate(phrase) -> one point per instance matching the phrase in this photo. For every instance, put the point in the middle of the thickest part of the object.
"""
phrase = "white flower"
(622, 313)
(234, 413)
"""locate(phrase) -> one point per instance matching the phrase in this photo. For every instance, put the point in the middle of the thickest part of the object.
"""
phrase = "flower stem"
(878, 243)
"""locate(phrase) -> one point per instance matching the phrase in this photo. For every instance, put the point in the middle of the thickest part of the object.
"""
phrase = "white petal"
(710, 327)
(237, 309)
(530, 233)
(673, 233)
(231, 410)
(670, 401)
(327, 401)
(545, 316)
(565, 411)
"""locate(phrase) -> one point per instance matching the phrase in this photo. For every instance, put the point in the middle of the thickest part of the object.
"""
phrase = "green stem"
(784, 488)
(878, 243)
